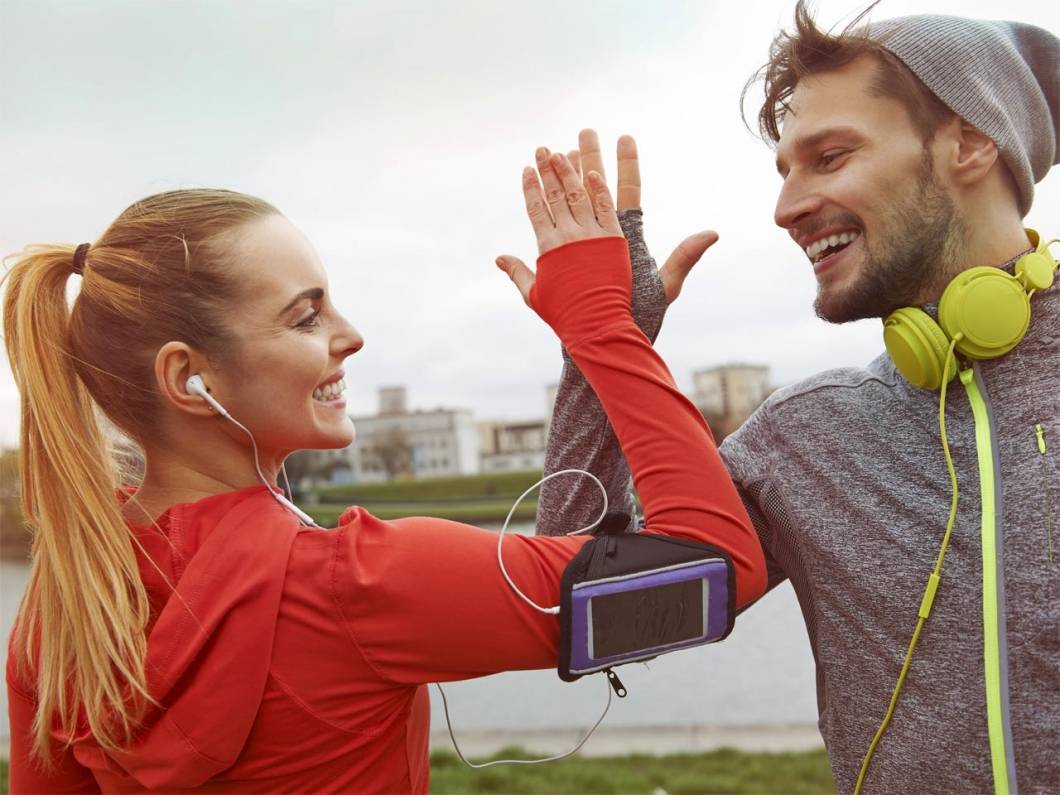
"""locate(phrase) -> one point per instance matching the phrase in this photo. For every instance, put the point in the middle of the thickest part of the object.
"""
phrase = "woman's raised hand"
(562, 209)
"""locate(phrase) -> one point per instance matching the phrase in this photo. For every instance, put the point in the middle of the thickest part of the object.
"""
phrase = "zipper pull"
(1041, 438)
(615, 682)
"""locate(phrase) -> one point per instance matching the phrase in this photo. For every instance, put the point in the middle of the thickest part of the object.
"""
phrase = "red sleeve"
(424, 599)
(583, 291)
(25, 774)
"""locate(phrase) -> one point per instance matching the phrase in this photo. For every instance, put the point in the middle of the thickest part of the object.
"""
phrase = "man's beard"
(916, 245)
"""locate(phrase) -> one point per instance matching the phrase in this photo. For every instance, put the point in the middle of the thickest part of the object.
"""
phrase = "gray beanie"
(1001, 77)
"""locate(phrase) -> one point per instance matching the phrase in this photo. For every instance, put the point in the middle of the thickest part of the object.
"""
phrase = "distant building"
(397, 443)
(550, 404)
(729, 394)
(512, 446)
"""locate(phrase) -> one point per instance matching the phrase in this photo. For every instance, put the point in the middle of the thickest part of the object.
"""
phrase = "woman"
(194, 635)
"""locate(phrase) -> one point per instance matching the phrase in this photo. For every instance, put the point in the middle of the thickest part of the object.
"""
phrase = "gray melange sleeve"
(580, 435)
(750, 456)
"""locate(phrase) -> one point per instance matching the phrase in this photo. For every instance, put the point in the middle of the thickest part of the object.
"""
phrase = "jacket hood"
(210, 644)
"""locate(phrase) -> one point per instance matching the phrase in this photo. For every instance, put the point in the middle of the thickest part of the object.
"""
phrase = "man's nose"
(794, 204)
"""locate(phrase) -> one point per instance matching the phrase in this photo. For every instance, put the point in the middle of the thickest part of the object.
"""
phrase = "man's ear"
(972, 155)
(175, 363)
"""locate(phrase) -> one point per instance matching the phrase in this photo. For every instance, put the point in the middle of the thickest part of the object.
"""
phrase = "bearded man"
(909, 150)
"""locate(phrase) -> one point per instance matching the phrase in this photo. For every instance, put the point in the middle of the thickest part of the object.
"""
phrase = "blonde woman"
(192, 634)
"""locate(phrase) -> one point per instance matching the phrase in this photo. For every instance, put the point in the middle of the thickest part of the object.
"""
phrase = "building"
(512, 446)
(729, 394)
(399, 443)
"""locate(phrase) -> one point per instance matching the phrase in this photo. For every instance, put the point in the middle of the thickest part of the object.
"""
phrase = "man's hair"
(809, 50)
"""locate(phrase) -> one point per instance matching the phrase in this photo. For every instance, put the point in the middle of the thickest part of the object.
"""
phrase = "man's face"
(861, 198)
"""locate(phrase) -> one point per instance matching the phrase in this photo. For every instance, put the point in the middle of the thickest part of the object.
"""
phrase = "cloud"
(393, 135)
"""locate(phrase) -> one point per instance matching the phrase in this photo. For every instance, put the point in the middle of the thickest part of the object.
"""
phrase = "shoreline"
(623, 740)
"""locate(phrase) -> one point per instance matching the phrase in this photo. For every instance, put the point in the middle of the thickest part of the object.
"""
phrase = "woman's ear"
(175, 363)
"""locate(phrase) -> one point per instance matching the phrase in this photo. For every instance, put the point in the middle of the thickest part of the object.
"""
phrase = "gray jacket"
(844, 477)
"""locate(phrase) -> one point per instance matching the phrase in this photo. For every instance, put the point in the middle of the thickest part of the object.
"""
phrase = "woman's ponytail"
(80, 633)
(158, 273)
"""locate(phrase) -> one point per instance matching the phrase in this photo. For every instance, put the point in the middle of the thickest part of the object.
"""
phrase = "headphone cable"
(933, 581)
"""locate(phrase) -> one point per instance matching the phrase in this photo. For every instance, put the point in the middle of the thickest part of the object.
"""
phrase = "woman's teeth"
(331, 391)
(815, 250)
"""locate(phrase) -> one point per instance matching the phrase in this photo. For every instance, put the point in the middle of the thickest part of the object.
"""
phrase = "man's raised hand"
(588, 157)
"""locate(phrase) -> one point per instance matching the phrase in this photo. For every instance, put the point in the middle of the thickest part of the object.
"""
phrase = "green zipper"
(991, 640)
(1040, 434)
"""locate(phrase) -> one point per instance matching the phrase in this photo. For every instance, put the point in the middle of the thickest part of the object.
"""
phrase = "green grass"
(467, 488)
(724, 771)
(492, 511)
(470, 498)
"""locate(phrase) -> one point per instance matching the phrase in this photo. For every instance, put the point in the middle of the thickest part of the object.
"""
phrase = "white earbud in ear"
(196, 386)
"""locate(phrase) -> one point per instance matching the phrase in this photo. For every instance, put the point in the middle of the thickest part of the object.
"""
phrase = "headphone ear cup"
(988, 308)
(918, 347)
(1036, 270)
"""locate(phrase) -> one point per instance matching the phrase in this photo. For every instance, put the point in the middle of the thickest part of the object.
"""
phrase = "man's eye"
(829, 159)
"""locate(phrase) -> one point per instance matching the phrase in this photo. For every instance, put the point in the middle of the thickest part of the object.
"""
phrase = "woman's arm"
(580, 435)
(424, 599)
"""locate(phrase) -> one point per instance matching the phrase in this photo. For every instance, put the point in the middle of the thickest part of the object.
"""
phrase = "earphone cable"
(257, 463)
(480, 765)
(504, 528)
(933, 581)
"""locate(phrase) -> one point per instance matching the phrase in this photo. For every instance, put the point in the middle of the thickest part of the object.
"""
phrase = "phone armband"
(631, 597)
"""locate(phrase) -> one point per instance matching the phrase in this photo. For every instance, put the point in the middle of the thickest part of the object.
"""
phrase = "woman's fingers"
(517, 271)
(555, 195)
(578, 208)
(606, 216)
(575, 158)
(537, 211)
(591, 157)
(628, 174)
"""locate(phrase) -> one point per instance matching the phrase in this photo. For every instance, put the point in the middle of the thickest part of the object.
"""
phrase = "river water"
(762, 674)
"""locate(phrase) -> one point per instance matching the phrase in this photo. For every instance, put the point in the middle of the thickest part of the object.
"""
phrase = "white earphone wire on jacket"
(196, 386)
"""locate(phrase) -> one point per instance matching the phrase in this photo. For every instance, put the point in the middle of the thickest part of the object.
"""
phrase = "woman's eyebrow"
(313, 294)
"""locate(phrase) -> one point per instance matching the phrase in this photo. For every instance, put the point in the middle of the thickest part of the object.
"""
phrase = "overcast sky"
(393, 134)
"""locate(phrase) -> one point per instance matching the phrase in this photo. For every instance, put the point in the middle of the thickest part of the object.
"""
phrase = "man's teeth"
(331, 391)
(814, 250)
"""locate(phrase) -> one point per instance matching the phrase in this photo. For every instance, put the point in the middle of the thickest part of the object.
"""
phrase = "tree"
(14, 536)
(394, 452)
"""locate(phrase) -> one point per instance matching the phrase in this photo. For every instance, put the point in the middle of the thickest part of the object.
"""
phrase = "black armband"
(631, 597)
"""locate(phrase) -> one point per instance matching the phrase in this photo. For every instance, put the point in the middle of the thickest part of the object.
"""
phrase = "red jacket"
(294, 659)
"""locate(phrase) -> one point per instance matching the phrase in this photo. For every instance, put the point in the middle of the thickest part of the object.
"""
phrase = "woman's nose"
(348, 341)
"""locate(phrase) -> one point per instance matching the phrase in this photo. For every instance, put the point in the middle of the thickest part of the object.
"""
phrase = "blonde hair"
(157, 274)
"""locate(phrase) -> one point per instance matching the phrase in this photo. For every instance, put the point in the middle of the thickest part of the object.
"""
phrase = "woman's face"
(285, 380)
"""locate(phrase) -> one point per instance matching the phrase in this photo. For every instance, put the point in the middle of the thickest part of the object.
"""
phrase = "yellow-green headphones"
(985, 309)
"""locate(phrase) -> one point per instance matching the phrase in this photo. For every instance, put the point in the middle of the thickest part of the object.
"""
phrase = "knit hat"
(1001, 77)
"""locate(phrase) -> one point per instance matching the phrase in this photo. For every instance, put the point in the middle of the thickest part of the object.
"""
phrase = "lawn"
(466, 488)
(724, 771)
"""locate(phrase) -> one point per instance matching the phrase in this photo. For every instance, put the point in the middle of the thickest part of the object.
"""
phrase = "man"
(909, 150)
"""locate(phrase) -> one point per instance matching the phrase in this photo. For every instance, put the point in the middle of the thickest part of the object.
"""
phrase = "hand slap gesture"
(588, 157)
(561, 210)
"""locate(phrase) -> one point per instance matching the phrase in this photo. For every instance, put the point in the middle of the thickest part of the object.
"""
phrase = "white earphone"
(195, 386)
